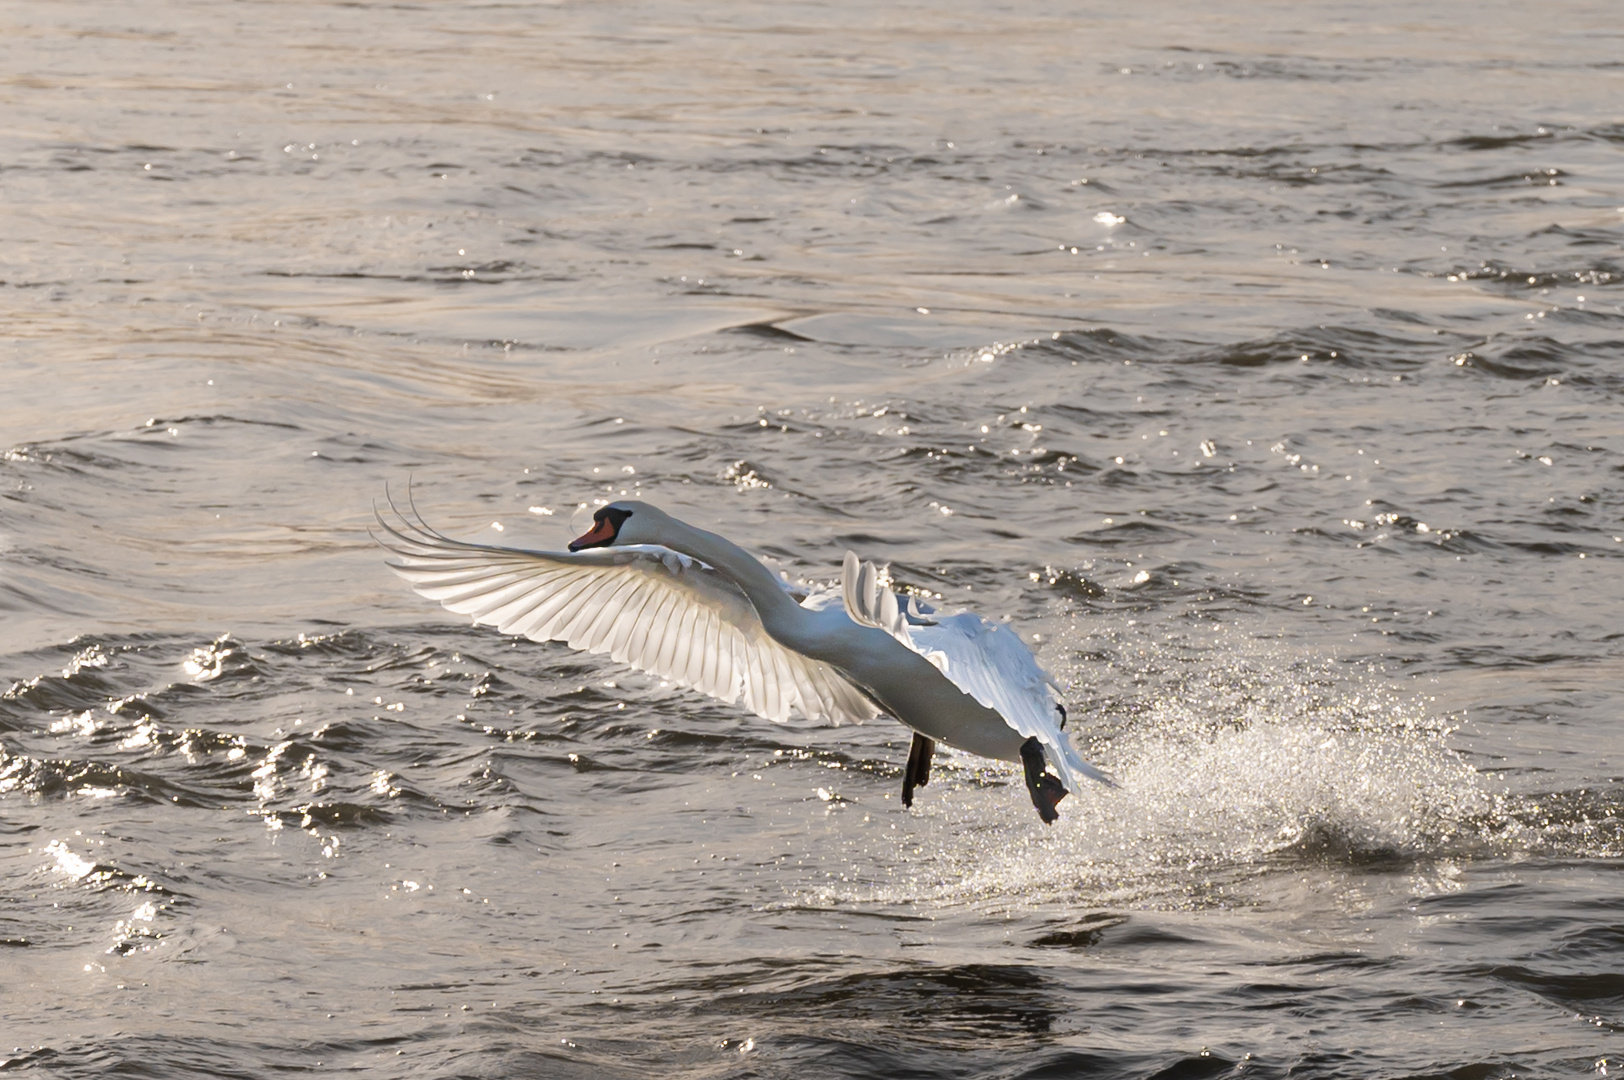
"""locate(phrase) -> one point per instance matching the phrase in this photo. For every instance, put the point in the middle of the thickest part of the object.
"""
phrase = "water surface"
(1264, 366)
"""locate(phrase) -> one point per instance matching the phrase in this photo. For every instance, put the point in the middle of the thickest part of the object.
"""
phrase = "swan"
(699, 611)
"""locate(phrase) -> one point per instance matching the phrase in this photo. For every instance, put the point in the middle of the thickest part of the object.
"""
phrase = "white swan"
(696, 609)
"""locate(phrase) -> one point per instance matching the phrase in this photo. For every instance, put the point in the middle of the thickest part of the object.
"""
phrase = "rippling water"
(1264, 366)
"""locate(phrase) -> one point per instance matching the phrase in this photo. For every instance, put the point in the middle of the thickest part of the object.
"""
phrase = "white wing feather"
(987, 661)
(649, 607)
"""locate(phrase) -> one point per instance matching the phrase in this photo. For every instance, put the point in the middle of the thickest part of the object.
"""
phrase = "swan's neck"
(782, 618)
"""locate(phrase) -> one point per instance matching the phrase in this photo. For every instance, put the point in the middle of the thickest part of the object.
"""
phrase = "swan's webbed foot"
(1045, 788)
(917, 773)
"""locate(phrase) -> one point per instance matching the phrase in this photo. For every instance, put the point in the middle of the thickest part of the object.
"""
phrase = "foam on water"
(1245, 761)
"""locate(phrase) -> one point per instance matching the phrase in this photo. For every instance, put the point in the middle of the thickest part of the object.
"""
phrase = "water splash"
(1234, 760)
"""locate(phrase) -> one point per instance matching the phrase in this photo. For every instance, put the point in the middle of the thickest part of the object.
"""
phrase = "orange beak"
(603, 531)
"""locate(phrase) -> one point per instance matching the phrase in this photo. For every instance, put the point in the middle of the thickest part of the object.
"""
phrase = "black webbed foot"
(1045, 788)
(917, 774)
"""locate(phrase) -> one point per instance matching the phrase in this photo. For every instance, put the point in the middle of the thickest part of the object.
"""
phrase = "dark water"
(1265, 363)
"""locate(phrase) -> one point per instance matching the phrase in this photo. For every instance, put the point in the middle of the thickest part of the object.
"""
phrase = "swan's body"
(696, 609)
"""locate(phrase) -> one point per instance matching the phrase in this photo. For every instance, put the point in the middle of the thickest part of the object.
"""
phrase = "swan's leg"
(918, 772)
(1045, 788)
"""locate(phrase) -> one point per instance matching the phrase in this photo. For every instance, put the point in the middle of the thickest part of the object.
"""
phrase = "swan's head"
(626, 522)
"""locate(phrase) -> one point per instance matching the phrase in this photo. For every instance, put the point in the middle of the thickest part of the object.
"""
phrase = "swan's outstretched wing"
(650, 607)
(987, 661)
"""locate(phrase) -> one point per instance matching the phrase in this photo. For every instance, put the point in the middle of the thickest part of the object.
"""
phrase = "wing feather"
(780, 692)
(597, 618)
(568, 607)
(798, 694)
(783, 680)
(481, 596)
(646, 606)
(731, 668)
(535, 617)
(762, 688)
(987, 661)
(624, 623)
(683, 660)
(557, 610)
(589, 604)
(688, 663)
(508, 606)
(710, 664)
(649, 630)
(661, 633)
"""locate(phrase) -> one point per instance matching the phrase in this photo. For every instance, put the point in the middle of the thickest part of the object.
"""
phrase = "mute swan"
(697, 610)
